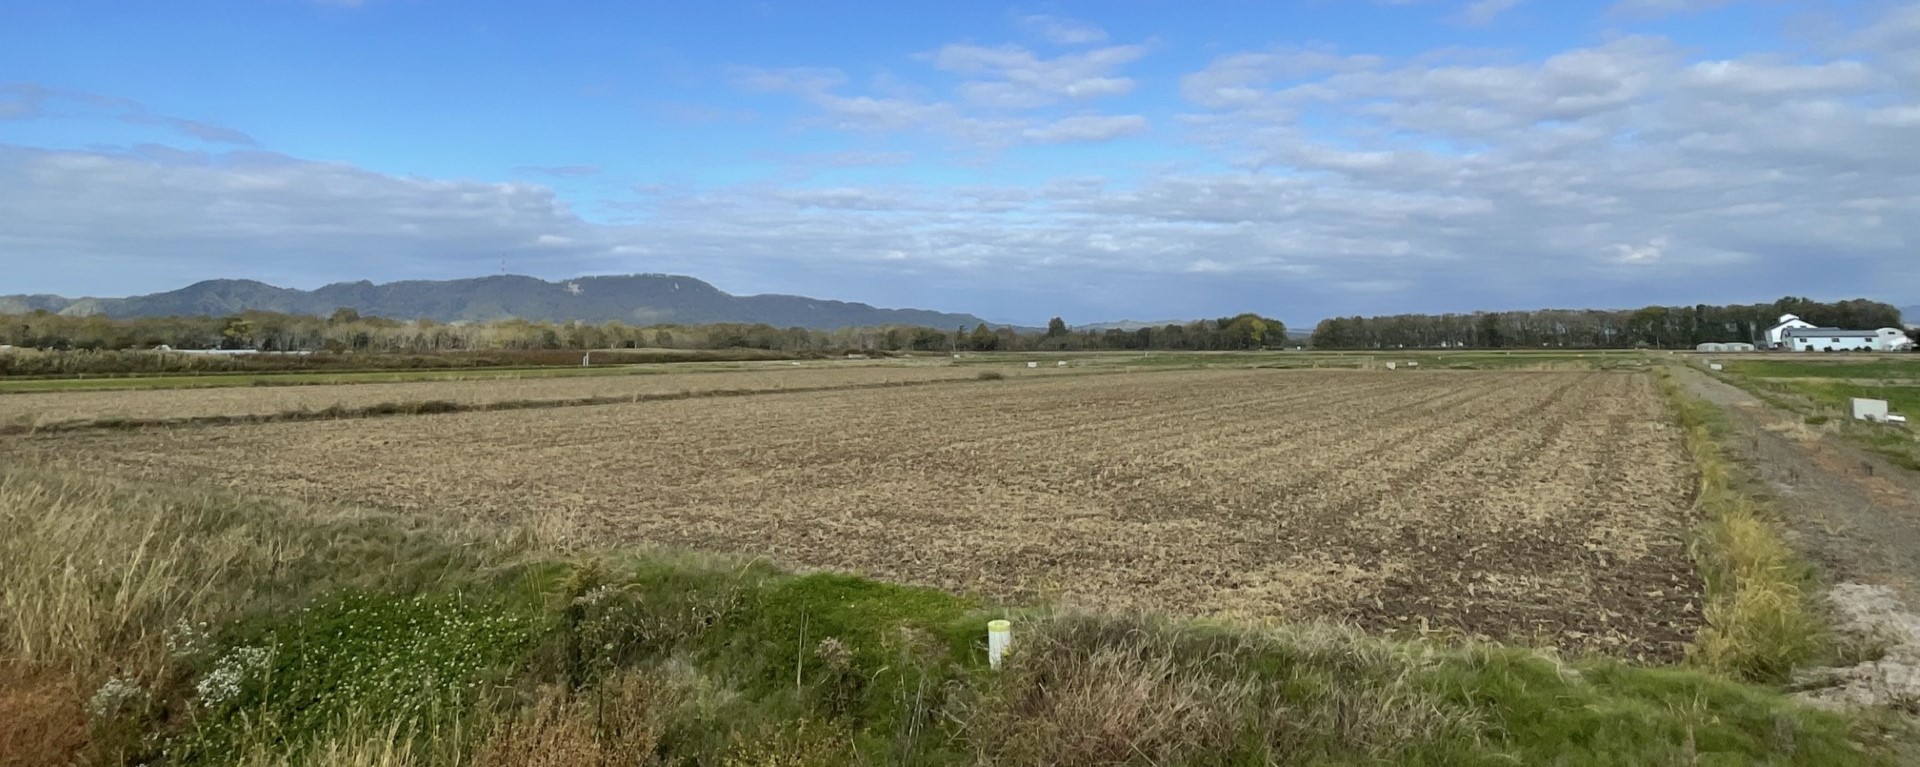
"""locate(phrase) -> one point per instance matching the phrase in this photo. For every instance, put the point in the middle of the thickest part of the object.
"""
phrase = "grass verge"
(1824, 401)
(1761, 620)
(173, 626)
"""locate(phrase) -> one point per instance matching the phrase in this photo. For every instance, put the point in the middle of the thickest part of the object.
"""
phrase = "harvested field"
(1546, 507)
(61, 409)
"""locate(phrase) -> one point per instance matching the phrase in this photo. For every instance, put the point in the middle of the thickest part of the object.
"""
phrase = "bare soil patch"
(42, 721)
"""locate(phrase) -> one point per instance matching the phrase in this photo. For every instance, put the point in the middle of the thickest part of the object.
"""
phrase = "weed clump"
(294, 680)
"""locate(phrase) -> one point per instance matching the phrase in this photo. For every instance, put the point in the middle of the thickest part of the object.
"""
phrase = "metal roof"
(1829, 333)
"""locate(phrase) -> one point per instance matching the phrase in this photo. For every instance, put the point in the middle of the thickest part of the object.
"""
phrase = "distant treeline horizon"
(346, 330)
(1663, 327)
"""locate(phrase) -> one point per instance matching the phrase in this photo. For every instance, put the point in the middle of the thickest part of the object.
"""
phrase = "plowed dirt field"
(1547, 507)
(58, 409)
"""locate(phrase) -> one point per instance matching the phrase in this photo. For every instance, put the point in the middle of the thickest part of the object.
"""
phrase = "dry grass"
(87, 581)
(1484, 504)
(1761, 623)
(1114, 690)
(91, 580)
(618, 723)
(101, 580)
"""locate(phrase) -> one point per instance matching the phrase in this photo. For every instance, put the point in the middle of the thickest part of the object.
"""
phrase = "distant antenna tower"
(503, 267)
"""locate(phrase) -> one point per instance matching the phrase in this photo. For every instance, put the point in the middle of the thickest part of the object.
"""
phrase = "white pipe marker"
(999, 635)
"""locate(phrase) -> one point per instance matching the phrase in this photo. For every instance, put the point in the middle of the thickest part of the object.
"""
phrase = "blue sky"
(1099, 161)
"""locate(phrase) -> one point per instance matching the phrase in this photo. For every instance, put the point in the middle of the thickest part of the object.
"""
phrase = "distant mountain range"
(1132, 325)
(642, 299)
(1128, 325)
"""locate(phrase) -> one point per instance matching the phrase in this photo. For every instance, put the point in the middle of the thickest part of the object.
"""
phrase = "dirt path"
(1857, 518)
(1854, 514)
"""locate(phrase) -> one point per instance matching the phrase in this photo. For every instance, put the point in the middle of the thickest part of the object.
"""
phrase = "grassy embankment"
(1820, 391)
(172, 626)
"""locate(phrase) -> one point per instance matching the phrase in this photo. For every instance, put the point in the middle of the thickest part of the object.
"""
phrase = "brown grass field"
(62, 409)
(1541, 507)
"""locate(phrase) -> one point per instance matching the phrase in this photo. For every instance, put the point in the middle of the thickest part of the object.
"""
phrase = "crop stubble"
(1531, 506)
(56, 409)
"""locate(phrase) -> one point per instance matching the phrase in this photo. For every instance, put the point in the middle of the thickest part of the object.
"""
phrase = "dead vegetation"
(1538, 507)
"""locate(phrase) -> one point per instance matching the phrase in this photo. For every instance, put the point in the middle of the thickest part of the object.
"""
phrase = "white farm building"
(1795, 334)
(1837, 340)
(1776, 335)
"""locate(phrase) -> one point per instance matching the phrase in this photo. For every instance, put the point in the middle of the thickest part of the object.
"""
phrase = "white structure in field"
(1837, 340)
(1776, 335)
(1713, 347)
(1869, 409)
(999, 638)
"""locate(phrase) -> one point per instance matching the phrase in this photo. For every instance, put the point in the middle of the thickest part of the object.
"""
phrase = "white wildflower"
(229, 673)
(186, 640)
(112, 696)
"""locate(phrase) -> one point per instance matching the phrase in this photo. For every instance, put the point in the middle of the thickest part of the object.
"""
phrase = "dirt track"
(1855, 514)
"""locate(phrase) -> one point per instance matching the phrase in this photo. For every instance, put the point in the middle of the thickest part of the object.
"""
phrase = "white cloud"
(558, 171)
(1237, 79)
(172, 212)
(19, 101)
(1482, 12)
(1004, 101)
(1062, 31)
(24, 101)
(1773, 79)
(1645, 253)
(1658, 8)
(1892, 42)
(1589, 161)
(861, 159)
(1016, 78)
(1085, 128)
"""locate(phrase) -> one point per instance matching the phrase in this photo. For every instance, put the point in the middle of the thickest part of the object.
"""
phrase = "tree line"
(1666, 327)
(347, 331)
